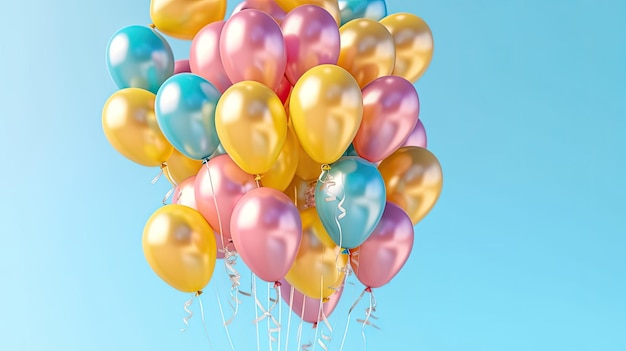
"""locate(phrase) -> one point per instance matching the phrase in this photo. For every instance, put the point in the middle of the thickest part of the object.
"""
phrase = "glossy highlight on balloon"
(139, 57)
(182, 19)
(414, 179)
(204, 56)
(130, 125)
(180, 247)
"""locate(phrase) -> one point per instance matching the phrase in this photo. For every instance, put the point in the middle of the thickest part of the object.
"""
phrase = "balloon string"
(162, 171)
(325, 339)
(189, 313)
(219, 304)
(291, 292)
(271, 320)
(280, 313)
(206, 331)
(256, 313)
(300, 324)
(327, 183)
(345, 333)
(368, 315)
(230, 257)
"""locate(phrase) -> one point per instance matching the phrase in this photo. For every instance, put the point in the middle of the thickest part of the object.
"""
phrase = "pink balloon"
(284, 89)
(252, 48)
(181, 66)
(311, 306)
(230, 183)
(417, 136)
(184, 194)
(266, 229)
(386, 250)
(311, 38)
(268, 6)
(204, 57)
(390, 112)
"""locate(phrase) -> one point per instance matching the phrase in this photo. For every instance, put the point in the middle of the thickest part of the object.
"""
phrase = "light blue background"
(524, 105)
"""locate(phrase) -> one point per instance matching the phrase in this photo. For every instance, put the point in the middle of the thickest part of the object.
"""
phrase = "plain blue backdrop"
(524, 105)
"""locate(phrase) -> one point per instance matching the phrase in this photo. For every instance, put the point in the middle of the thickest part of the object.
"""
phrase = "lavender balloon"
(417, 136)
(306, 307)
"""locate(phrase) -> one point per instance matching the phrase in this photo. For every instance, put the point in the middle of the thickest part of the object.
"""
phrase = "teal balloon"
(185, 111)
(350, 199)
(350, 151)
(353, 9)
(139, 57)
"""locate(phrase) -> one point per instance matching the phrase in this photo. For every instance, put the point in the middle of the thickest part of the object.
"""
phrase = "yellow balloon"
(251, 124)
(131, 127)
(181, 167)
(283, 170)
(413, 179)
(301, 192)
(316, 270)
(414, 44)
(326, 108)
(332, 6)
(180, 247)
(367, 50)
(182, 19)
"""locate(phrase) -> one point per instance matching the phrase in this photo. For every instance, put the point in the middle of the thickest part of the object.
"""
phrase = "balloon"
(268, 6)
(306, 307)
(182, 19)
(283, 170)
(284, 89)
(185, 109)
(390, 112)
(417, 137)
(251, 125)
(179, 247)
(353, 9)
(384, 253)
(413, 178)
(130, 126)
(184, 195)
(311, 38)
(266, 229)
(414, 44)
(315, 271)
(139, 57)
(332, 96)
(182, 66)
(350, 199)
(252, 48)
(225, 186)
(329, 5)
(181, 167)
(204, 56)
(301, 192)
(367, 50)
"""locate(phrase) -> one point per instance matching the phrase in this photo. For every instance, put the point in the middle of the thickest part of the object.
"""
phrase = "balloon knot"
(163, 165)
(314, 325)
(325, 167)
(277, 284)
(325, 299)
(205, 160)
(152, 25)
(368, 289)
(199, 292)
(257, 177)
(345, 251)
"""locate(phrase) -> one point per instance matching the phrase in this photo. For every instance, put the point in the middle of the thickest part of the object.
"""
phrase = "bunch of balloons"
(291, 135)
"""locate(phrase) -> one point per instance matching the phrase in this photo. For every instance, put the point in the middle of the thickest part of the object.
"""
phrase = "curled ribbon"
(325, 339)
(268, 313)
(169, 193)
(188, 310)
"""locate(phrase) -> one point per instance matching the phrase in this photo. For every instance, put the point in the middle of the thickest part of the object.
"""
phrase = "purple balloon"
(266, 229)
(417, 136)
(182, 66)
(384, 252)
(311, 312)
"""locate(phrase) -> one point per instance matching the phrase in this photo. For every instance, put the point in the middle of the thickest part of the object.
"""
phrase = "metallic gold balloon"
(326, 108)
(316, 270)
(180, 247)
(182, 19)
(413, 178)
(131, 127)
(283, 170)
(252, 125)
(332, 6)
(414, 44)
(181, 167)
(301, 192)
(367, 50)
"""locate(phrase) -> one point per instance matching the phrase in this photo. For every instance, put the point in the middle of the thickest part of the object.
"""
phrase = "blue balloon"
(353, 9)
(185, 111)
(139, 57)
(350, 199)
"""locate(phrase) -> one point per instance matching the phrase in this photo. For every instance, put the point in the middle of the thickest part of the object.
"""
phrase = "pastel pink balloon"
(181, 66)
(266, 229)
(311, 38)
(390, 112)
(204, 57)
(184, 194)
(252, 48)
(417, 136)
(230, 183)
(386, 250)
(268, 6)
(311, 313)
